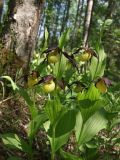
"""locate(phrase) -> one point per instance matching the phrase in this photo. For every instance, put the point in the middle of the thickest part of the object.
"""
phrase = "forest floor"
(14, 117)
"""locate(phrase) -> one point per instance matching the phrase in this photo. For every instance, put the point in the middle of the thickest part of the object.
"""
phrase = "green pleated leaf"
(92, 94)
(62, 129)
(33, 109)
(59, 141)
(78, 126)
(92, 126)
(69, 156)
(46, 34)
(35, 124)
(64, 38)
(12, 141)
(14, 86)
(115, 122)
(89, 111)
(107, 22)
(89, 102)
(66, 123)
(41, 68)
(53, 108)
(62, 66)
(97, 66)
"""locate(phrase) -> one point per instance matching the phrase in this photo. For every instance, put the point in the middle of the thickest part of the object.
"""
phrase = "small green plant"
(67, 110)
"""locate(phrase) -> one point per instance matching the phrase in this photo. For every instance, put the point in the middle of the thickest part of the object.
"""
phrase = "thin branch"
(6, 100)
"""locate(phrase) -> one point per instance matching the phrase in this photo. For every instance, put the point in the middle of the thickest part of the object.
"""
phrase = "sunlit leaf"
(115, 122)
(97, 66)
(108, 22)
(14, 86)
(69, 156)
(64, 38)
(59, 68)
(53, 108)
(58, 142)
(92, 94)
(59, 134)
(35, 124)
(92, 126)
(69, 119)
(12, 141)
(30, 103)
(78, 126)
(90, 110)
(46, 34)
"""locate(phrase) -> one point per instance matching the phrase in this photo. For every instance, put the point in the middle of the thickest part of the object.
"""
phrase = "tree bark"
(65, 19)
(20, 30)
(110, 8)
(77, 13)
(80, 13)
(87, 22)
(74, 36)
(1, 7)
(54, 38)
(63, 22)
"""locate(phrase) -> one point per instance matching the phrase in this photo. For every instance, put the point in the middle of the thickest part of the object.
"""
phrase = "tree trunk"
(87, 22)
(64, 23)
(75, 31)
(1, 7)
(63, 19)
(110, 8)
(77, 13)
(80, 13)
(19, 32)
(54, 38)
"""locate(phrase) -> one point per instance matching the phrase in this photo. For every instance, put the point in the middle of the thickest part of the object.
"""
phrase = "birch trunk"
(19, 32)
(87, 22)
(1, 7)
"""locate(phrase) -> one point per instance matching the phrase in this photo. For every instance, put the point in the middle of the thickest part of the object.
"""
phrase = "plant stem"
(49, 97)
(30, 156)
(53, 143)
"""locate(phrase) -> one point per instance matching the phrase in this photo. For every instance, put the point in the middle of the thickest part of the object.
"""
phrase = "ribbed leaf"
(12, 141)
(58, 142)
(66, 123)
(97, 66)
(53, 108)
(63, 39)
(88, 112)
(78, 126)
(92, 94)
(62, 67)
(30, 103)
(92, 126)
(69, 156)
(46, 34)
(35, 125)
(62, 129)
(89, 102)
(14, 86)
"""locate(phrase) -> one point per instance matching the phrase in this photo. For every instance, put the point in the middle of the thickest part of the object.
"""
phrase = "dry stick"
(6, 100)
(2, 84)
